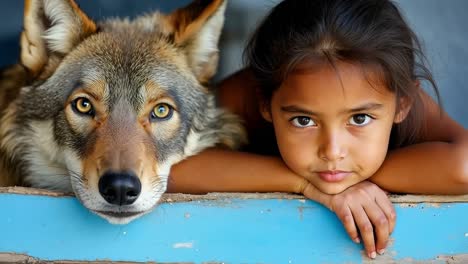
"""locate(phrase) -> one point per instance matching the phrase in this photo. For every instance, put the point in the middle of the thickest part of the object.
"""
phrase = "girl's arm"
(220, 170)
(439, 165)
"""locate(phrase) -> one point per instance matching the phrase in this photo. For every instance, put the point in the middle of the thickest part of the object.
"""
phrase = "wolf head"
(111, 106)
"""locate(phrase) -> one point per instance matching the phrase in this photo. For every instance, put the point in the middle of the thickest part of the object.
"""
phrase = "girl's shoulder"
(238, 94)
(430, 124)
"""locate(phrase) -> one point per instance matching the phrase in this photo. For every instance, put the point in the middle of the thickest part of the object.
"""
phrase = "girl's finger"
(380, 223)
(346, 217)
(388, 209)
(365, 228)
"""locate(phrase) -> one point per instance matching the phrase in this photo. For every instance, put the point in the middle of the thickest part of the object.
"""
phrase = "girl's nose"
(332, 147)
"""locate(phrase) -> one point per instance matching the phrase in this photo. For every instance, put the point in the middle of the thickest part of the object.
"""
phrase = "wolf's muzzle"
(119, 188)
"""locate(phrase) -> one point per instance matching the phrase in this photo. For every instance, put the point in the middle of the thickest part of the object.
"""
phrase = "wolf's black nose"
(119, 188)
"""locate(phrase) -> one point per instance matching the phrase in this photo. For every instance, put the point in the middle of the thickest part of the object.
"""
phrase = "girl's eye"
(161, 112)
(360, 120)
(83, 106)
(302, 121)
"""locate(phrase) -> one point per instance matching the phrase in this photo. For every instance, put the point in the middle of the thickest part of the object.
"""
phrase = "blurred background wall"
(441, 25)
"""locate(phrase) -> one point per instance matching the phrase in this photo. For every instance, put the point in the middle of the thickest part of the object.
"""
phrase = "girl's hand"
(363, 206)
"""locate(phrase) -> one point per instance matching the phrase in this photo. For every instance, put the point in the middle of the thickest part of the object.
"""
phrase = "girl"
(332, 102)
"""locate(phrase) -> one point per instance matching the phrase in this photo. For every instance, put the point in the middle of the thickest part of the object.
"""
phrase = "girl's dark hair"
(371, 33)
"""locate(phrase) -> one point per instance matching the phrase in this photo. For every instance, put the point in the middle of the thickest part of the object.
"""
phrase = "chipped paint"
(183, 245)
(301, 209)
(12, 258)
(442, 259)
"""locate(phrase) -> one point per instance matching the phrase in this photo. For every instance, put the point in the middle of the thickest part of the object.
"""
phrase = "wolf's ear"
(51, 29)
(197, 28)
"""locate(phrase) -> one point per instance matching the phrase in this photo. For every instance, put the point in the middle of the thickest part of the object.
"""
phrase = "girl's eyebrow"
(362, 108)
(297, 110)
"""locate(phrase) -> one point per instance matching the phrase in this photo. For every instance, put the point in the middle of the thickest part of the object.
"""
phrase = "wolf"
(104, 109)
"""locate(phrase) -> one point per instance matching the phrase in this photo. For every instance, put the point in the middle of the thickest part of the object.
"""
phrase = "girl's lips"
(333, 176)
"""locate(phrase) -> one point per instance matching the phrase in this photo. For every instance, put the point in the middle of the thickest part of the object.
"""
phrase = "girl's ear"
(405, 104)
(404, 107)
(265, 110)
(263, 106)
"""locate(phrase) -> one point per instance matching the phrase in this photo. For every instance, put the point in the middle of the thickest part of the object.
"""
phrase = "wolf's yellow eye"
(83, 106)
(161, 111)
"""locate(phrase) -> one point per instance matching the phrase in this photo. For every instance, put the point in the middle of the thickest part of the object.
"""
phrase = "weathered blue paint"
(425, 231)
(228, 230)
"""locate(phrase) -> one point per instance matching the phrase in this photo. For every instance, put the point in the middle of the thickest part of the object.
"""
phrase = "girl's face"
(333, 125)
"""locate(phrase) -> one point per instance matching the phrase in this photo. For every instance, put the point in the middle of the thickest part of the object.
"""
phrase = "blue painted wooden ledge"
(224, 228)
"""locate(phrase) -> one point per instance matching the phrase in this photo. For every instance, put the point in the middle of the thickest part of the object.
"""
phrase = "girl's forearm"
(218, 170)
(427, 168)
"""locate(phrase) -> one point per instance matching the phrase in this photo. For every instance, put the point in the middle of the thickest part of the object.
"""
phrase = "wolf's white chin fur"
(119, 220)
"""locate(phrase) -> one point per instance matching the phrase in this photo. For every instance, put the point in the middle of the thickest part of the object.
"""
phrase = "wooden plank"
(180, 197)
(217, 228)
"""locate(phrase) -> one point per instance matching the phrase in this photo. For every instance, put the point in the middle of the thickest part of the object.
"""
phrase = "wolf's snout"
(119, 188)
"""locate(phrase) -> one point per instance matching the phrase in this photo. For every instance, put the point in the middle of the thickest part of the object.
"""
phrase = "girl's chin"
(333, 188)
